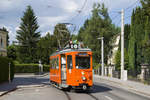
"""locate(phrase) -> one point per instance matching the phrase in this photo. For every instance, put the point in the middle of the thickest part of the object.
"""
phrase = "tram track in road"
(95, 98)
(69, 98)
(67, 95)
(64, 91)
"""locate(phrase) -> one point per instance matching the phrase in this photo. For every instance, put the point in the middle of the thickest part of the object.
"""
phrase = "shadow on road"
(36, 80)
(100, 88)
(24, 81)
(97, 88)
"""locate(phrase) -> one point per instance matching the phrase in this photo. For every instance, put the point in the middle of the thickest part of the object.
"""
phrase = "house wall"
(3, 43)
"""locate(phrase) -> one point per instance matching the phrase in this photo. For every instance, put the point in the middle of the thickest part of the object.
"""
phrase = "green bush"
(96, 65)
(4, 69)
(30, 68)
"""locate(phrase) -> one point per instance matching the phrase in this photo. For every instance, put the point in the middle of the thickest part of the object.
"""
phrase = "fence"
(141, 75)
(116, 74)
(147, 76)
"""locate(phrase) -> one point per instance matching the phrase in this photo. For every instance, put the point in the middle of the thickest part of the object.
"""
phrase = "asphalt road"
(38, 88)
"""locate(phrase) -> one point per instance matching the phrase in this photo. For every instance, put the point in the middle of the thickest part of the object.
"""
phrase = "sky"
(51, 12)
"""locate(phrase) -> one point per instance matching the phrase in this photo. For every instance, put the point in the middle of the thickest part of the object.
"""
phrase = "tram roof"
(71, 50)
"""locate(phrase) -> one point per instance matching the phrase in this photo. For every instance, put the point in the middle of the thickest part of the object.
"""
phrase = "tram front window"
(82, 62)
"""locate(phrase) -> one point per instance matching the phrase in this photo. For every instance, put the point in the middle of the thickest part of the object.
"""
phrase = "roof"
(71, 50)
(5, 31)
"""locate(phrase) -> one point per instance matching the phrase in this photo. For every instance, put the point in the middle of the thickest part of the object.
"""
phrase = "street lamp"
(102, 54)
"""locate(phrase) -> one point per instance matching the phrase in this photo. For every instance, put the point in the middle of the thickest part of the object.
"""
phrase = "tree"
(99, 25)
(146, 42)
(146, 7)
(28, 36)
(135, 37)
(12, 52)
(117, 60)
(47, 45)
(62, 35)
(126, 33)
(126, 59)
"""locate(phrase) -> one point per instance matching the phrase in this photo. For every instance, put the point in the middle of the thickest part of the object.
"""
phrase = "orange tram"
(72, 69)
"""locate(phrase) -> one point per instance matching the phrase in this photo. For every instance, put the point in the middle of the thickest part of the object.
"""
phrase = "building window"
(1, 42)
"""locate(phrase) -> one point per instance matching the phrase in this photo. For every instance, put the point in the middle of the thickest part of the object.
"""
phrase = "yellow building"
(3, 42)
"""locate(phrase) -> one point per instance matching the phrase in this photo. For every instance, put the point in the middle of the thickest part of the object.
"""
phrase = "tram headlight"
(83, 78)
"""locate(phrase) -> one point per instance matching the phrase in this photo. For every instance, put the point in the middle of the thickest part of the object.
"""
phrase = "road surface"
(38, 88)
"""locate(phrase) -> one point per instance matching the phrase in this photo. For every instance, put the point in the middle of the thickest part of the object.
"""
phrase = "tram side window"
(69, 62)
(57, 63)
(54, 63)
(51, 63)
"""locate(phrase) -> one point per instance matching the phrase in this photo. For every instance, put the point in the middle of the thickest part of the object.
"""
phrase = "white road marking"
(109, 98)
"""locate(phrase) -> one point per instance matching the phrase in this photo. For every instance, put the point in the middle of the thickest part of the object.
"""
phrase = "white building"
(115, 45)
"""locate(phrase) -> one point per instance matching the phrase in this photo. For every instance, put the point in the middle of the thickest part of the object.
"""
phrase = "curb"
(129, 87)
(43, 75)
(14, 89)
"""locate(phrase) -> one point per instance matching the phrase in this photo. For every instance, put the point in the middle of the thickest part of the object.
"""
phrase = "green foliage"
(139, 37)
(62, 35)
(28, 36)
(97, 26)
(117, 60)
(146, 42)
(30, 68)
(4, 69)
(146, 8)
(126, 59)
(47, 45)
(126, 35)
(12, 52)
(97, 66)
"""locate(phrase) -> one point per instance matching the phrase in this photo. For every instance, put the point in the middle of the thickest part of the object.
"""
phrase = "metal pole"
(122, 44)
(102, 56)
(9, 73)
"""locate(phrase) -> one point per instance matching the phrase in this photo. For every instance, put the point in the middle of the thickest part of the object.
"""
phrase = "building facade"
(115, 47)
(3, 42)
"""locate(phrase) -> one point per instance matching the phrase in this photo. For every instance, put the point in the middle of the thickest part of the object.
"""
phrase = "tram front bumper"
(82, 87)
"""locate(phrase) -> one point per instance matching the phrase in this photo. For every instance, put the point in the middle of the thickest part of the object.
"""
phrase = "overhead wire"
(79, 25)
(79, 11)
(130, 7)
(132, 4)
(116, 11)
(89, 13)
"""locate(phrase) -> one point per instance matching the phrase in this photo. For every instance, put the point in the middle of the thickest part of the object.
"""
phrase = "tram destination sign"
(82, 54)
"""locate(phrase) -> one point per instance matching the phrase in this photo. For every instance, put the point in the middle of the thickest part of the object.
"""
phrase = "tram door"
(63, 69)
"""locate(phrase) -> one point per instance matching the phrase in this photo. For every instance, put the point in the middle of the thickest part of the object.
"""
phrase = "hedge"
(4, 69)
(29, 68)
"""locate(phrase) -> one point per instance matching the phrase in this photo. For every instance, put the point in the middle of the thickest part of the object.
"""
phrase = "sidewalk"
(6, 88)
(23, 79)
(135, 86)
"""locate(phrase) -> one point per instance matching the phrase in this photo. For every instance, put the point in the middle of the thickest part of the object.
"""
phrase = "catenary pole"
(122, 44)
(102, 55)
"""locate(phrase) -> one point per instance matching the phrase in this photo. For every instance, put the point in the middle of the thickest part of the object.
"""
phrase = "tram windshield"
(82, 62)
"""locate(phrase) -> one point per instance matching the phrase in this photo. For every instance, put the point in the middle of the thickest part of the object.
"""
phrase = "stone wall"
(3, 43)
